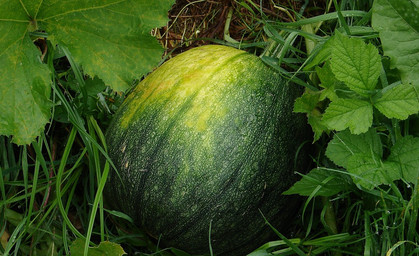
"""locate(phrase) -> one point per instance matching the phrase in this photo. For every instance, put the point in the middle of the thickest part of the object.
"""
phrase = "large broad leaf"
(24, 85)
(109, 38)
(398, 24)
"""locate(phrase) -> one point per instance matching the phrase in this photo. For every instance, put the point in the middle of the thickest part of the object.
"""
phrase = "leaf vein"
(83, 10)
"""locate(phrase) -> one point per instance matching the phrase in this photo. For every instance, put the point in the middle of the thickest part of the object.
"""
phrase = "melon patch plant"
(116, 33)
(368, 103)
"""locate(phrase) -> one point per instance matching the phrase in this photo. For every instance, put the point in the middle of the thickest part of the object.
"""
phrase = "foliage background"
(67, 69)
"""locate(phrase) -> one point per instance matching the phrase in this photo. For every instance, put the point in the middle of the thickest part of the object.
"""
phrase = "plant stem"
(227, 36)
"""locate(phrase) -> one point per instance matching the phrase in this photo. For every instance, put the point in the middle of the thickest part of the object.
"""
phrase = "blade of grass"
(96, 163)
(324, 17)
(70, 182)
(15, 237)
(286, 240)
(368, 247)
(60, 172)
(33, 191)
(209, 239)
(285, 47)
(341, 18)
(98, 198)
(25, 171)
(77, 121)
(413, 206)
(37, 147)
(67, 207)
(2, 187)
(396, 245)
(102, 139)
(79, 77)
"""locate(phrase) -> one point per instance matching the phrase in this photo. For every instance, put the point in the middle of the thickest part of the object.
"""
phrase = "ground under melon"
(207, 139)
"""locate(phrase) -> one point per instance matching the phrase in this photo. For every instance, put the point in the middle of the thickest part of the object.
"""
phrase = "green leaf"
(344, 145)
(322, 181)
(104, 249)
(25, 84)
(307, 102)
(178, 252)
(322, 54)
(398, 102)
(110, 39)
(328, 82)
(370, 171)
(317, 125)
(405, 154)
(398, 26)
(355, 63)
(353, 113)
(94, 86)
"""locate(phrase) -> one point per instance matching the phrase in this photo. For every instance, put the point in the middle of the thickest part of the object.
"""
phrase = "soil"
(197, 22)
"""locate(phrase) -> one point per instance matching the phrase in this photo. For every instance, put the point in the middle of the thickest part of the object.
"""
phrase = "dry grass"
(194, 22)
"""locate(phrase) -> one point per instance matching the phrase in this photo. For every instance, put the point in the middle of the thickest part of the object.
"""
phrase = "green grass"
(51, 190)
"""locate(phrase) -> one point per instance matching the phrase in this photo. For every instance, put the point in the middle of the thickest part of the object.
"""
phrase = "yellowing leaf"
(25, 86)
(110, 39)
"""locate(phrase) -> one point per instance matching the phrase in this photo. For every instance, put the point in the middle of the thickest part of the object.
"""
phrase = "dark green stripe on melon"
(208, 137)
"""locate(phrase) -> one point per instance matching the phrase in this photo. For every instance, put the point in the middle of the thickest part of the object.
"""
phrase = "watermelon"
(204, 147)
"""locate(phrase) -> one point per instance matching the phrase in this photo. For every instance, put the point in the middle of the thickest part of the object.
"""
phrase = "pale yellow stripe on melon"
(207, 103)
(178, 79)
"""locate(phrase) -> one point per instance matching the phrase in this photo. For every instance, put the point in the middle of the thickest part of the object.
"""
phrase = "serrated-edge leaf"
(344, 145)
(307, 102)
(354, 114)
(328, 81)
(398, 102)
(110, 38)
(317, 125)
(322, 181)
(24, 87)
(355, 63)
(369, 170)
(405, 153)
